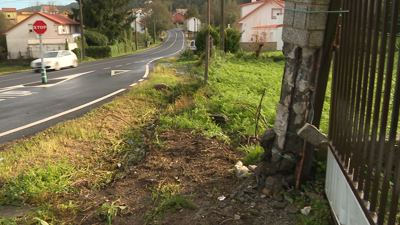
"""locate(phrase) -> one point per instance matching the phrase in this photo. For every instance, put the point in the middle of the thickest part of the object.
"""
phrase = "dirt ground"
(202, 170)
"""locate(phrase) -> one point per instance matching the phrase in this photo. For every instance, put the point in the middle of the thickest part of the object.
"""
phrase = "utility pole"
(222, 27)
(82, 37)
(207, 58)
(136, 41)
(154, 31)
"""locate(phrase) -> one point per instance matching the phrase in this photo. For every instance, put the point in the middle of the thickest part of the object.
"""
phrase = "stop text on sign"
(40, 27)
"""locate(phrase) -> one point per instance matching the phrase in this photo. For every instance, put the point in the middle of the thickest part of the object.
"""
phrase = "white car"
(56, 60)
(193, 45)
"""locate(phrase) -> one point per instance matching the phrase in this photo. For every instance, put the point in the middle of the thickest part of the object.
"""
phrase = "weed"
(110, 211)
(253, 153)
(167, 197)
(9, 221)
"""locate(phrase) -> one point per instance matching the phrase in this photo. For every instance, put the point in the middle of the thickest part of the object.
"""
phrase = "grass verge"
(44, 170)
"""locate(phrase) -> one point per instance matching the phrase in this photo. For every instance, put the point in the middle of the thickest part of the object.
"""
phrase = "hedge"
(98, 52)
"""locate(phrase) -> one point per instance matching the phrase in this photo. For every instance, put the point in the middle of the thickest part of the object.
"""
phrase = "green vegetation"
(45, 169)
(167, 197)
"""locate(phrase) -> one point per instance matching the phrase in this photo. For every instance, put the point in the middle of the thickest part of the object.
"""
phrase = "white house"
(141, 28)
(192, 24)
(23, 42)
(49, 9)
(262, 21)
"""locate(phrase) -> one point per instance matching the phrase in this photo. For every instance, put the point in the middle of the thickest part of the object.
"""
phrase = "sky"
(21, 4)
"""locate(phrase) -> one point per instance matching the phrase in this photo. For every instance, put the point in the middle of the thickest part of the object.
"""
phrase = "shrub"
(232, 39)
(187, 55)
(94, 38)
(201, 38)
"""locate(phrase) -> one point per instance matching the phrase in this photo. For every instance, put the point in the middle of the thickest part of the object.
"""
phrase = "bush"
(232, 39)
(201, 38)
(187, 55)
(94, 38)
(98, 52)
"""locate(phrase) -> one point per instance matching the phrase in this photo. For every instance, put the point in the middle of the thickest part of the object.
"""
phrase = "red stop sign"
(39, 27)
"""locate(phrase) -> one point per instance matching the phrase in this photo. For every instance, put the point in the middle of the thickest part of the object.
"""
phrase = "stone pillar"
(303, 35)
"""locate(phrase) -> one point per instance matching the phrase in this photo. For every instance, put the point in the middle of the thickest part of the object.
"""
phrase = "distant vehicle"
(56, 60)
(193, 45)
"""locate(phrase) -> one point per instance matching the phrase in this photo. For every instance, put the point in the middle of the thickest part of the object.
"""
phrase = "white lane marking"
(116, 72)
(14, 94)
(133, 84)
(60, 114)
(10, 88)
(2, 100)
(118, 65)
(64, 79)
(106, 68)
(148, 64)
(128, 64)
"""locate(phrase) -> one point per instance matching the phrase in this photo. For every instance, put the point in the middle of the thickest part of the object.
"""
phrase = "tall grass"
(234, 80)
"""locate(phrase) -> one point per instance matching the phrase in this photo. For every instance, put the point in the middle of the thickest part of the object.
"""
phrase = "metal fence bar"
(355, 91)
(371, 88)
(377, 109)
(385, 108)
(363, 120)
(360, 106)
(365, 101)
(393, 132)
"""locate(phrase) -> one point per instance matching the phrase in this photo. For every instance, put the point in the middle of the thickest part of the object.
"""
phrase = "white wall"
(23, 39)
(261, 17)
(140, 27)
(193, 25)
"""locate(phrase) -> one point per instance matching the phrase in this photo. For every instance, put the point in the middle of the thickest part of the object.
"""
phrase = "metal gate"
(365, 101)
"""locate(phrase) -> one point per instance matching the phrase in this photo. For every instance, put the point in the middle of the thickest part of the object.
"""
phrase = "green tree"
(94, 38)
(4, 25)
(232, 39)
(201, 38)
(232, 13)
(108, 17)
(160, 16)
(192, 12)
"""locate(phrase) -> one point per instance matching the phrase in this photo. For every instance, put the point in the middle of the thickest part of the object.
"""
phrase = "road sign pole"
(43, 70)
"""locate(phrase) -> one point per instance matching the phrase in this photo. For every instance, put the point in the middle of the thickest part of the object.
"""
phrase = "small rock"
(278, 197)
(278, 205)
(306, 210)
(263, 196)
(237, 217)
(252, 167)
(198, 214)
(241, 170)
(254, 213)
(252, 203)
(291, 209)
(221, 198)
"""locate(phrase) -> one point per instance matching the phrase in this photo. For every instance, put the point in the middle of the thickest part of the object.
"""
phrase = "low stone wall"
(248, 46)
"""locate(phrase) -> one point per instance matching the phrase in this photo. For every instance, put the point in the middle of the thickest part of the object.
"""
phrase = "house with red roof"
(261, 21)
(23, 14)
(141, 28)
(178, 18)
(10, 14)
(51, 9)
(23, 42)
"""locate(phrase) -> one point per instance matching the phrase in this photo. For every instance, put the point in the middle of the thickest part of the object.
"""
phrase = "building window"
(275, 13)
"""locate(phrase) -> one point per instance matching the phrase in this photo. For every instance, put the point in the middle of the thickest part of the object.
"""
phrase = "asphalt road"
(27, 106)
